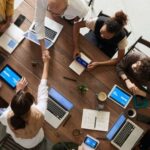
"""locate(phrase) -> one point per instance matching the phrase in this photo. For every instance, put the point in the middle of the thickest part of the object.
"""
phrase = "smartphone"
(19, 20)
(90, 143)
(143, 118)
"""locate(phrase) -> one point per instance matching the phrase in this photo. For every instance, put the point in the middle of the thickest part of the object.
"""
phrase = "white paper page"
(95, 120)
(76, 67)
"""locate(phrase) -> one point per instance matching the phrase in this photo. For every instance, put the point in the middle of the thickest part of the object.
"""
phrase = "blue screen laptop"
(58, 108)
(120, 96)
(124, 134)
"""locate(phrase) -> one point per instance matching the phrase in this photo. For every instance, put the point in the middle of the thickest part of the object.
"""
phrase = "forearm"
(42, 44)
(45, 70)
(76, 29)
(108, 62)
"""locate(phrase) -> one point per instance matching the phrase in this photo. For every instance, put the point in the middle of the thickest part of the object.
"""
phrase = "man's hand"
(92, 65)
(131, 86)
(21, 84)
(45, 56)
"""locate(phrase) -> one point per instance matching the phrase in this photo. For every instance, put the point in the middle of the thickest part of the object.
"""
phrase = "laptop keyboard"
(55, 110)
(48, 32)
(123, 135)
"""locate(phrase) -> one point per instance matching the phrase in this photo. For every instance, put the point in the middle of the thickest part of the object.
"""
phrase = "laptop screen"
(120, 96)
(55, 95)
(117, 125)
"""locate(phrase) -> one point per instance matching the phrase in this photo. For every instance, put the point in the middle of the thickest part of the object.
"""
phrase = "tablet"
(10, 76)
(90, 143)
(120, 96)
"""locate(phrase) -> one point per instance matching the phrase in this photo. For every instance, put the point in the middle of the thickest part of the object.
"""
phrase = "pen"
(95, 122)
(70, 79)
(69, 116)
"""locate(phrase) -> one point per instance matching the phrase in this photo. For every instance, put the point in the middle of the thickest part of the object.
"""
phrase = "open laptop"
(124, 134)
(58, 108)
(52, 31)
(11, 38)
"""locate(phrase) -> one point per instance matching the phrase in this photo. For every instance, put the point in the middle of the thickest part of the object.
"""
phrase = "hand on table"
(92, 65)
(21, 84)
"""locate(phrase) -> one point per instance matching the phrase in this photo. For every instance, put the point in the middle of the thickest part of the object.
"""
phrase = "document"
(80, 63)
(95, 120)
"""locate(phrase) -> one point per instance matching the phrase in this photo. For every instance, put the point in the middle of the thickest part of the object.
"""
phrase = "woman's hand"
(45, 56)
(21, 84)
(92, 65)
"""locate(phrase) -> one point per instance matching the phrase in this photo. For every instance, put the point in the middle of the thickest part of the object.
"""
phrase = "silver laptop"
(52, 31)
(11, 38)
(124, 134)
(58, 108)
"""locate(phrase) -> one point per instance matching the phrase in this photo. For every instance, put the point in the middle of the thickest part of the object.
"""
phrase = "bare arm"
(46, 58)
(76, 29)
(114, 61)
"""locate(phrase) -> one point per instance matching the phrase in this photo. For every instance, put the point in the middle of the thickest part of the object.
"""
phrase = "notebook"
(52, 31)
(11, 38)
(80, 63)
(120, 96)
(95, 120)
(124, 134)
(58, 108)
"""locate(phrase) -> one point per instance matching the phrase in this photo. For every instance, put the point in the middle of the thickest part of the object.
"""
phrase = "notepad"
(95, 120)
(80, 63)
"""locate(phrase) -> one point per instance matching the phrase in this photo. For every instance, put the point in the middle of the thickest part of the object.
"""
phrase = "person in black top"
(107, 33)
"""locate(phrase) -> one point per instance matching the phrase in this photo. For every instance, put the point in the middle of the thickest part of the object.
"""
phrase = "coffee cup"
(131, 113)
(101, 96)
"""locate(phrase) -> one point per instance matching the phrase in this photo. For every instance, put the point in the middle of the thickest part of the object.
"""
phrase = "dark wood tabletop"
(99, 79)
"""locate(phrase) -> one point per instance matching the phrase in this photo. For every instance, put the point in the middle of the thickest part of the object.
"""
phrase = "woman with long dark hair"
(23, 118)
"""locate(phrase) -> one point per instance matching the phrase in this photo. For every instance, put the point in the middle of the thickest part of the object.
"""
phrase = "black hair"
(116, 23)
(144, 69)
(20, 105)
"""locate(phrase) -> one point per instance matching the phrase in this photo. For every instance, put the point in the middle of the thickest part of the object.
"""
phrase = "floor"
(138, 13)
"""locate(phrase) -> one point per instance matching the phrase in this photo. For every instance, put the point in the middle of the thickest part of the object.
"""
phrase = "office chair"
(144, 43)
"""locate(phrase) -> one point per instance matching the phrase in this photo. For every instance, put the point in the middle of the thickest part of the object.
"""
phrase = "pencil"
(95, 122)
(70, 79)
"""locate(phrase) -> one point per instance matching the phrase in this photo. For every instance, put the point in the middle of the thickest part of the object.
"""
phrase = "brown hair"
(144, 69)
(20, 105)
(116, 23)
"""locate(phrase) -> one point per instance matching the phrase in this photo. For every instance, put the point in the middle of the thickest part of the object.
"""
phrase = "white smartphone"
(90, 143)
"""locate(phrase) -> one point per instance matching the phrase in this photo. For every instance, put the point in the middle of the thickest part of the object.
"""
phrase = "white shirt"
(41, 106)
(75, 8)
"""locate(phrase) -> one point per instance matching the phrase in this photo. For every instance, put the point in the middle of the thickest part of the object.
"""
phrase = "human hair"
(20, 105)
(116, 23)
(144, 69)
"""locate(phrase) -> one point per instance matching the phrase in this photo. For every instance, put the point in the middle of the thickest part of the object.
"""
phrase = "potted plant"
(83, 88)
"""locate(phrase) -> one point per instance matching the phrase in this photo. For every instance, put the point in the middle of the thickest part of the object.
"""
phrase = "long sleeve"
(42, 96)
(40, 12)
(9, 8)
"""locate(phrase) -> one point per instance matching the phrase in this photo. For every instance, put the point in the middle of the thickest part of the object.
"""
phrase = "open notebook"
(11, 38)
(95, 120)
(80, 63)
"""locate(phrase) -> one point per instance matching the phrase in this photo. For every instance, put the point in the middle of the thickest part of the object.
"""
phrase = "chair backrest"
(105, 15)
(142, 45)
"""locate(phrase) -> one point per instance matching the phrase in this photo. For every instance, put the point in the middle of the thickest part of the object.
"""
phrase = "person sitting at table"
(107, 34)
(70, 9)
(6, 13)
(135, 65)
(23, 118)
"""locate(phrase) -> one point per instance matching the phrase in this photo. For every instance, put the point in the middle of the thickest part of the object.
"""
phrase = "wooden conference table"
(99, 79)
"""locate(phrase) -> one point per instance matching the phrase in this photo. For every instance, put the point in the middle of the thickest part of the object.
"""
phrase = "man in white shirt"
(70, 9)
